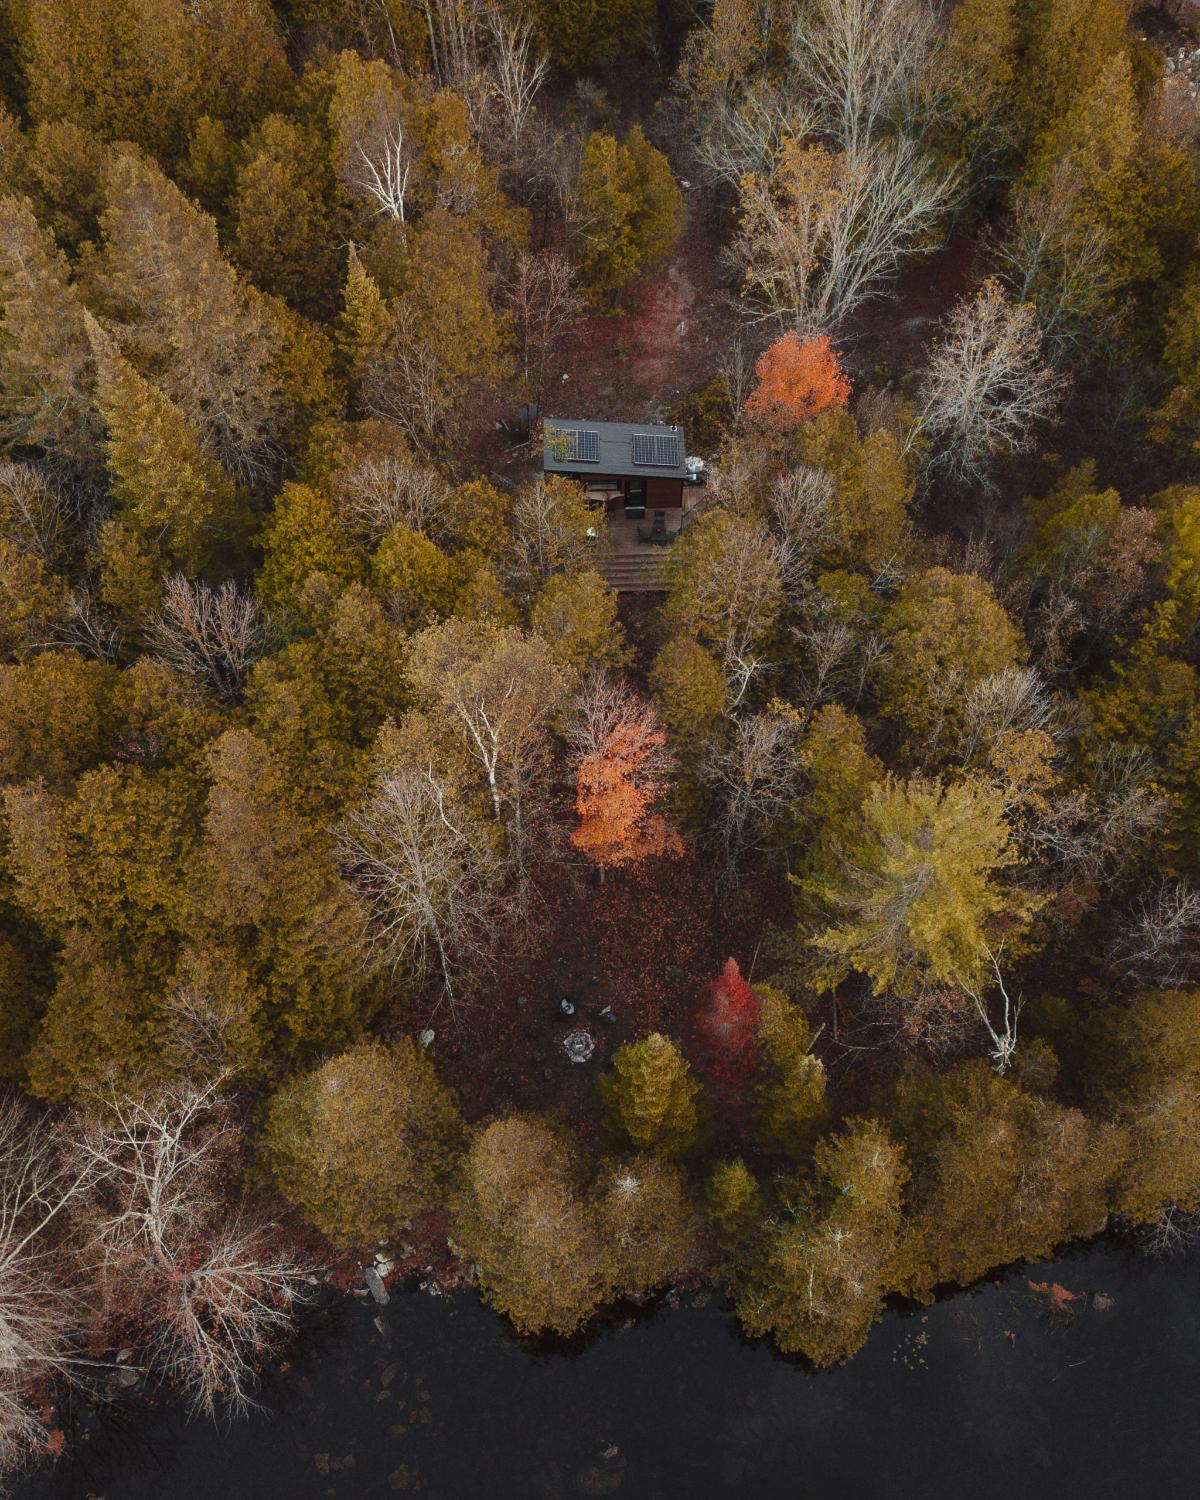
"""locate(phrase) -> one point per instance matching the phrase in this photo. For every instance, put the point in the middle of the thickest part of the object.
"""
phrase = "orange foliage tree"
(797, 378)
(621, 759)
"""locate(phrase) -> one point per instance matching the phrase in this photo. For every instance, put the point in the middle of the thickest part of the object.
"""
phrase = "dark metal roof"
(626, 449)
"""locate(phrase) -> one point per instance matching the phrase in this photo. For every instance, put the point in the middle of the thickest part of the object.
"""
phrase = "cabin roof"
(627, 449)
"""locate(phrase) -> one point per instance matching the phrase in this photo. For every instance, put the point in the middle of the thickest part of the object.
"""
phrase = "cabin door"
(635, 498)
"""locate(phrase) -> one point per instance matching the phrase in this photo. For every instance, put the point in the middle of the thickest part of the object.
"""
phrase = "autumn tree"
(552, 530)
(797, 378)
(284, 238)
(790, 1105)
(628, 213)
(651, 1096)
(525, 1223)
(735, 1202)
(56, 717)
(946, 632)
(815, 1279)
(1143, 1070)
(648, 1222)
(45, 357)
(364, 1142)
(996, 1173)
(270, 911)
(576, 614)
(147, 72)
(501, 688)
(446, 339)
(178, 499)
(577, 34)
(727, 1021)
(725, 586)
(214, 347)
(823, 231)
(918, 895)
(620, 760)
(102, 872)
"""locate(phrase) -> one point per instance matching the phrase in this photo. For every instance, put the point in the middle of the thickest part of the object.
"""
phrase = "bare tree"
(865, 67)
(754, 779)
(38, 1189)
(1001, 1028)
(828, 231)
(987, 387)
(554, 530)
(1094, 830)
(383, 172)
(1060, 261)
(604, 704)
(31, 511)
(542, 296)
(1159, 942)
(405, 384)
(516, 73)
(803, 505)
(215, 1294)
(84, 626)
(430, 875)
(215, 635)
(1009, 702)
(376, 493)
(501, 687)
(726, 585)
(452, 28)
(739, 136)
(1172, 1232)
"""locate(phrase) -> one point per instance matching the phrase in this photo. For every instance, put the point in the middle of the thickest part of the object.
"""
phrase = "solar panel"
(573, 445)
(660, 449)
(585, 446)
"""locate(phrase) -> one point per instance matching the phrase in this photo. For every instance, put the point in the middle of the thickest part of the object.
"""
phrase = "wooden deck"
(633, 566)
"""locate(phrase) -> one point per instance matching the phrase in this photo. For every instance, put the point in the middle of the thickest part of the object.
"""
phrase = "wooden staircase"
(634, 572)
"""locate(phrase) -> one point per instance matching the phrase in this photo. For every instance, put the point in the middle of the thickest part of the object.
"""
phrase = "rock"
(566, 1006)
(384, 1266)
(381, 1328)
(1102, 1302)
(426, 1037)
(124, 1356)
(578, 1046)
(127, 1378)
(375, 1285)
(608, 1016)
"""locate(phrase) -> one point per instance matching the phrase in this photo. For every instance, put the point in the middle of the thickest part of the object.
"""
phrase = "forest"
(382, 887)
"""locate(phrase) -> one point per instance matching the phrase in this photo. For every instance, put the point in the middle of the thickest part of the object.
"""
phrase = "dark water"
(981, 1395)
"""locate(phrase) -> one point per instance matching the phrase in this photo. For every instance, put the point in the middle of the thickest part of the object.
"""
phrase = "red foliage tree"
(727, 1023)
(621, 747)
(797, 378)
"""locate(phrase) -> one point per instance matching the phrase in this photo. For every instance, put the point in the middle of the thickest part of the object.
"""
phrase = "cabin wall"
(661, 494)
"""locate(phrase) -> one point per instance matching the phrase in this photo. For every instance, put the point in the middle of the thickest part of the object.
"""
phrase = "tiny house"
(632, 468)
